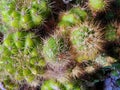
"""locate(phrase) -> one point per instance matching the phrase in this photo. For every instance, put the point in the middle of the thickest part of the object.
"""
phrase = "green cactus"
(58, 61)
(112, 31)
(57, 55)
(21, 52)
(24, 14)
(98, 5)
(86, 40)
(55, 85)
(72, 17)
(51, 85)
(55, 48)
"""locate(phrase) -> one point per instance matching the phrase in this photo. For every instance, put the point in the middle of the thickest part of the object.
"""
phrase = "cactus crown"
(97, 6)
(54, 47)
(85, 39)
(72, 17)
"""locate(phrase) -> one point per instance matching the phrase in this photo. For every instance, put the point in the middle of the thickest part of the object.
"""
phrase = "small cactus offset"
(24, 14)
(21, 52)
(86, 40)
(72, 17)
(57, 56)
(55, 49)
(98, 5)
(112, 31)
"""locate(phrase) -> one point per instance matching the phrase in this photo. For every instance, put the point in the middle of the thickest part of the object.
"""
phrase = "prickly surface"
(21, 58)
(72, 17)
(98, 5)
(24, 14)
(58, 58)
(86, 40)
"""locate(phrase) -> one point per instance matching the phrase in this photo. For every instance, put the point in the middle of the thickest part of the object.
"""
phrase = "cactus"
(112, 31)
(86, 41)
(57, 55)
(21, 52)
(72, 17)
(55, 85)
(51, 85)
(98, 5)
(24, 14)
(104, 60)
(66, 58)
(55, 50)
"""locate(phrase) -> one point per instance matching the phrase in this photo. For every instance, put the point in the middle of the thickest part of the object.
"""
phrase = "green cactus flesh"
(55, 85)
(24, 16)
(20, 56)
(9, 84)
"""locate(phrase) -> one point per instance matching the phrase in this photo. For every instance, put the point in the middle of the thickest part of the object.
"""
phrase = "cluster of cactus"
(26, 58)
(24, 14)
(86, 38)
